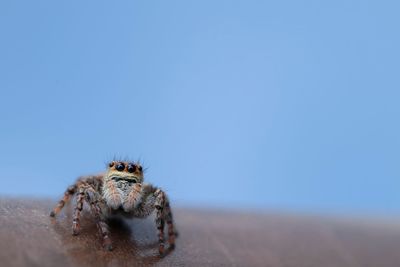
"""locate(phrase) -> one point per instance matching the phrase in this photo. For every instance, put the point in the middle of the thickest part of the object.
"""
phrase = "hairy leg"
(77, 211)
(67, 196)
(92, 197)
(160, 222)
(169, 219)
(88, 188)
(94, 180)
(156, 199)
(160, 227)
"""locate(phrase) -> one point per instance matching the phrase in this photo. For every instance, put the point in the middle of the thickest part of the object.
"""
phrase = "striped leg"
(67, 196)
(160, 226)
(157, 199)
(171, 230)
(159, 205)
(100, 222)
(164, 213)
(77, 212)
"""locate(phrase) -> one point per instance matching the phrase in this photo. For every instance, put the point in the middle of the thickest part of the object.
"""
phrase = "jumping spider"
(119, 191)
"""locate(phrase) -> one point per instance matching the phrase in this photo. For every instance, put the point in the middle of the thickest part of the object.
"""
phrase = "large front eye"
(131, 168)
(120, 167)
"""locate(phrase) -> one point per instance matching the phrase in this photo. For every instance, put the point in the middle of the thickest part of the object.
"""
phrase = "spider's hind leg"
(67, 196)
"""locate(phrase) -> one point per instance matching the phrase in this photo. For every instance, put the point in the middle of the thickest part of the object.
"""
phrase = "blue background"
(266, 104)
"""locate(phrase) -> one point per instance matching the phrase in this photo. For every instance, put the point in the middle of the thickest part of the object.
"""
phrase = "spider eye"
(140, 168)
(111, 164)
(120, 166)
(131, 168)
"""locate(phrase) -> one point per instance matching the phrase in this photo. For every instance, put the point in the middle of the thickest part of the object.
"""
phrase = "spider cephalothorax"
(122, 185)
(120, 190)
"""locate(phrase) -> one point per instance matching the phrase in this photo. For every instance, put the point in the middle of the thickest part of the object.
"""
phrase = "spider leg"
(92, 199)
(67, 196)
(160, 227)
(94, 180)
(77, 211)
(171, 230)
(156, 199)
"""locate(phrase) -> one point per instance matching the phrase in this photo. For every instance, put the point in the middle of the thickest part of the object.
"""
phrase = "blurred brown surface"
(28, 237)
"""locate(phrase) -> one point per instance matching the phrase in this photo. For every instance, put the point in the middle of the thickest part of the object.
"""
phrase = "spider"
(119, 191)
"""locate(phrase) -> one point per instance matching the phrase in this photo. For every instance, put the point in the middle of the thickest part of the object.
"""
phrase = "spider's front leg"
(92, 197)
(77, 211)
(164, 214)
(155, 198)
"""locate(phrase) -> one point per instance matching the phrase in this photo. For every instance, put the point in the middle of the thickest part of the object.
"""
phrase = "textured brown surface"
(28, 237)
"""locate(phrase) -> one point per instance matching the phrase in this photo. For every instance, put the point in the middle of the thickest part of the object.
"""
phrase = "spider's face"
(124, 171)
